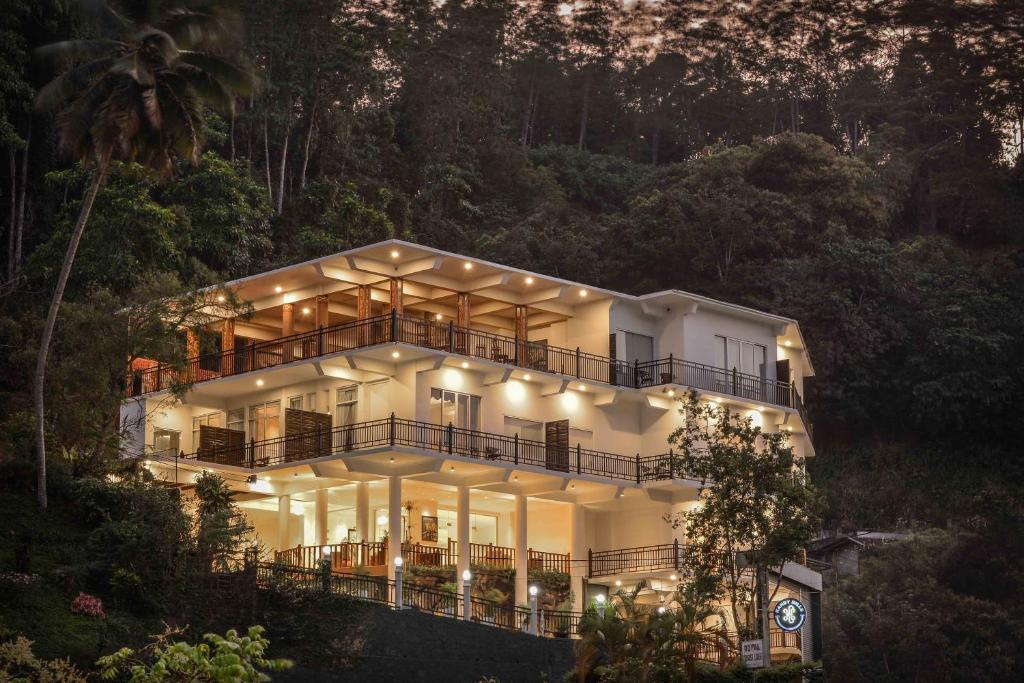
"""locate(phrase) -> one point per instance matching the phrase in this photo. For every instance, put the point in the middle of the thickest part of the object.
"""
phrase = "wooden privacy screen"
(307, 434)
(556, 438)
(217, 444)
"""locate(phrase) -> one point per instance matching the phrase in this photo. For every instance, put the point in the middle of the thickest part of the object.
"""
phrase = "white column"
(320, 516)
(394, 522)
(522, 557)
(462, 529)
(363, 528)
(284, 511)
(578, 555)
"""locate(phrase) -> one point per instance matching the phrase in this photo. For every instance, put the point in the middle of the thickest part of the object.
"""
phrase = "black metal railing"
(465, 341)
(381, 590)
(643, 559)
(393, 431)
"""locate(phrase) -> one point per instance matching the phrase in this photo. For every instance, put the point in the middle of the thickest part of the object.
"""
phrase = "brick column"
(397, 286)
(227, 347)
(363, 300)
(462, 321)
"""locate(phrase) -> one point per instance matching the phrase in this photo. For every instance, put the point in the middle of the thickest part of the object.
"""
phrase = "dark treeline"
(856, 165)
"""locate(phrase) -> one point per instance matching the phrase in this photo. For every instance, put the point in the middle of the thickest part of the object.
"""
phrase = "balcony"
(447, 440)
(345, 556)
(148, 376)
(627, 560)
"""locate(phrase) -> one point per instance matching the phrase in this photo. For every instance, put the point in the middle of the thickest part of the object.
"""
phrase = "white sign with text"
(753, 653)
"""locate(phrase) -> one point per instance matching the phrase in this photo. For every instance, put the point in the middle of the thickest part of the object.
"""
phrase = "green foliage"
(921, 609)
(222, 533)
(755, 501)
(231, 658)
(18, 663)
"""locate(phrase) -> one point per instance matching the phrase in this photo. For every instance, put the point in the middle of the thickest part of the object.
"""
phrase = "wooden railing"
(643, 559)
(548, 562)
(429, 555)
(785, 639)
(487, 554)
(343, 556)
(392, 432)
(148, 376)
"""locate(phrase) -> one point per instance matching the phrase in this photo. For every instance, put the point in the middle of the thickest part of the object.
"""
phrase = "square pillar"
(397, 286)
(521, 334)
(191, 343)
(462, 530)
(287, 329)
(578, 570)
(462, 310)
(394, 522)
(320, 506)
(363, 528)
(227, 347)
(522, 595)
(284, 512)
(323, 315)
(363, 301)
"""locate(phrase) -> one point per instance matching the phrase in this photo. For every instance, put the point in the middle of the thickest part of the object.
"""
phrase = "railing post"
(578, 468)
(394, 325)
(391, 430)
(577, 362)
(252, 452)
(320, 341)
(671, 465)
(451, 337)
(638, 469)
(636, 373)
(590, 563)
(734, 379)
(451, 437)
(515, 458)
(671, 369)
(675, 553)
(792, 395)
(316, 446)
(159, 376)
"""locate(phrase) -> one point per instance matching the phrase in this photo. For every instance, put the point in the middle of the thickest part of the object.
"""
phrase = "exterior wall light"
(467, 602)
(399, 601)
(534, 621)
(600, 605)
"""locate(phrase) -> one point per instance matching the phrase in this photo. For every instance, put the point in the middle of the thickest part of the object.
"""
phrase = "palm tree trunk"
(284, 165)
(99, 177)
(21, 198)
(14, 212)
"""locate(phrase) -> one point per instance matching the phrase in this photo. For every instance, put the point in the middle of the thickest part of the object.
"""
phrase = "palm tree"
(695, 625)
(137, 93)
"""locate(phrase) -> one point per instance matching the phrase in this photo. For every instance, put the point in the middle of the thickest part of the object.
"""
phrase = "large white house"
(484, 415)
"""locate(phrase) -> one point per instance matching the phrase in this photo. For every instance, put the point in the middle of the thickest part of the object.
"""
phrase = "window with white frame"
(207, 420)
(265, 420)
(742, 356)
(524, 429)
(452, 407)
(166, 442)
(346, 405)
(483, 528)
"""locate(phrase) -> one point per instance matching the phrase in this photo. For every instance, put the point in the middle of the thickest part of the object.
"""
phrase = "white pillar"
(578, 555)
(320, 516)
(522, 556)
(394, 522)
(363, 529)
(462, 529)
(284, 511)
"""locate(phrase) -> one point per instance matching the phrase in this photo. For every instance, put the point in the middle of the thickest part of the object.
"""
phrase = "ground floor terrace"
(365, 518)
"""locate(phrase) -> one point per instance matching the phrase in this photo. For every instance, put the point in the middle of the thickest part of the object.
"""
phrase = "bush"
(18, 663)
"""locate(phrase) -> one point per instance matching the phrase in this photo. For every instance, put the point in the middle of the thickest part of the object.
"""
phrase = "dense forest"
(857, 165)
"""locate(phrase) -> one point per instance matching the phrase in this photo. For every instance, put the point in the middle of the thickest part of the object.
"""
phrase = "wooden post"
(287, 330)
(462, 319)
(192, 354)
(323, 314)
(363, 301)
(397, 286)
(521, 334)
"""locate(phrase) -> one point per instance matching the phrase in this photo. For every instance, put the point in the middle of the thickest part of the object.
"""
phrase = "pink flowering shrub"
(88, 605)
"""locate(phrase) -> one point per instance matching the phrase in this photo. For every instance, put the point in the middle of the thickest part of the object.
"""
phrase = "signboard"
(790, 614)
(753, 653)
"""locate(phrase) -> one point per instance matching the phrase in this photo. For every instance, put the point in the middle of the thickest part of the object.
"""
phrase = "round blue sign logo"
(790, 614)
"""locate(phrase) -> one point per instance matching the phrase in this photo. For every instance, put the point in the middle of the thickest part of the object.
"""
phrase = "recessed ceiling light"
(259, 383)
(529, 280)
(395, 253)
(465, 364)
(672, 578)
(438, 316)
(788, 343)
(760, 409)
(671, 392)
(583, 387)
(526, 377)
(618, 583)
(467, 265)
(392, 459)
(452, 468)
(305, 311)
(395, 354)
(220, 298)
(278, 289)
(583, 292)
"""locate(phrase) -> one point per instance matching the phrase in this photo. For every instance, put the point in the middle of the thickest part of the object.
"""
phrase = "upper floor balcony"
(328, 340)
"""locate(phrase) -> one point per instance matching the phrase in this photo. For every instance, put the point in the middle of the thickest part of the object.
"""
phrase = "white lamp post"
(398, 583)
(325, 570)
(600, 605)
(534, 622)
(466, 605)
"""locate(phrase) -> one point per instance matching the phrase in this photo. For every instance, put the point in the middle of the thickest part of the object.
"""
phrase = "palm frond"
(109, 21)
(238, 79)
(68, 84)
(79, 49)
(209, 88)
(196, 26)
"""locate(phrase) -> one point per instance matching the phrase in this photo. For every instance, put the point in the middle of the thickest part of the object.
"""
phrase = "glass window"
(742, 356)
(265, 420)
(166, 442)
(236, 419)
(482, 528)
(345, 406)
(295, 402)
(461, 410)
(526, 429)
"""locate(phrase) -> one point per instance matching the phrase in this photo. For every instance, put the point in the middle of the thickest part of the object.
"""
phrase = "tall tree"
(137, 92)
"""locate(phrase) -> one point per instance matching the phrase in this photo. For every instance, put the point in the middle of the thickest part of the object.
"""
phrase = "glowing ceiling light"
(259, 383)
(278, 289)
(395, 253)
(529, 280)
